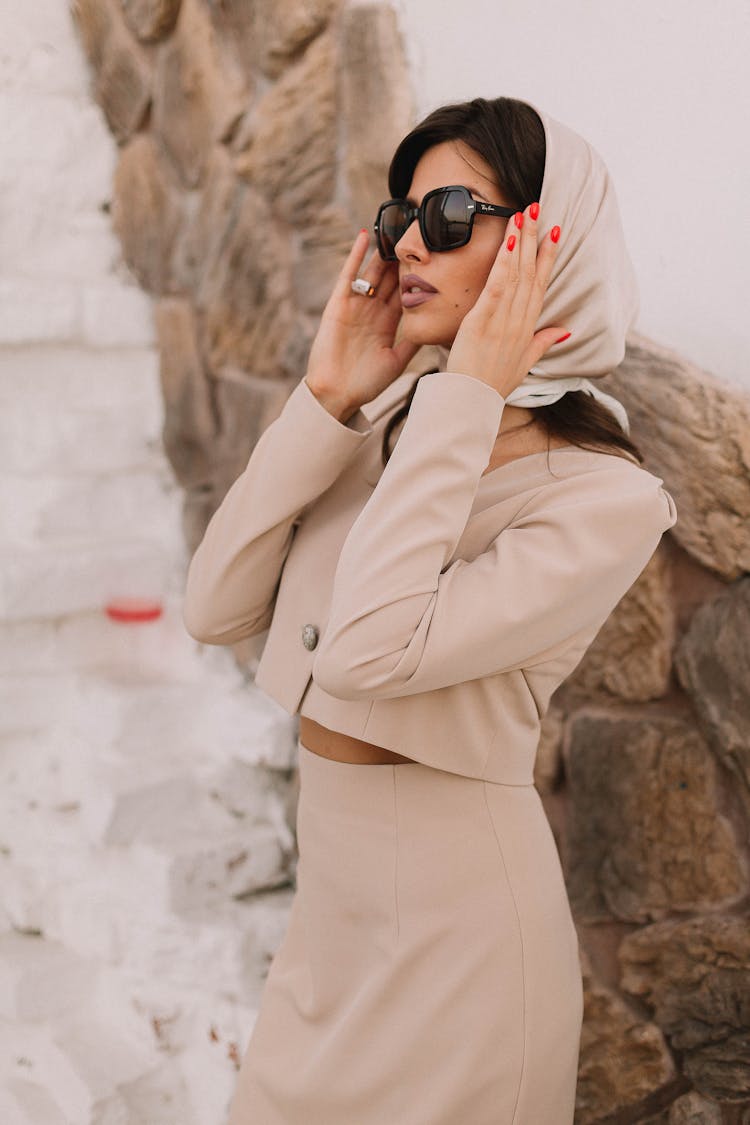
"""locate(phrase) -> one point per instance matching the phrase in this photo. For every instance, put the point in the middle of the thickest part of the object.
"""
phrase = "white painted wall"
(139, 784)
(662, 91)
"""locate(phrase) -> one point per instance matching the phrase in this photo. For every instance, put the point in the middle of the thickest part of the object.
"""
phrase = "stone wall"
(250, 154)
(647, 773)
(227, 111)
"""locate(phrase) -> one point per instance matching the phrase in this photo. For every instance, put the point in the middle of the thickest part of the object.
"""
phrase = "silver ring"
(362, 286)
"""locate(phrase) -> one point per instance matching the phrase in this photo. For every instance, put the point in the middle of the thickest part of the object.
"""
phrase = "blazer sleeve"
(403, 621)
(233, 576)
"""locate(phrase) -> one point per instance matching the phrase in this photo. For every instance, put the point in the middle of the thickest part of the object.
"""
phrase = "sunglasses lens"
(394, 219)
(446, 220)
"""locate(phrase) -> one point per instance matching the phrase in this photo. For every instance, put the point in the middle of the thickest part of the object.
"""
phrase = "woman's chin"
(425, 334)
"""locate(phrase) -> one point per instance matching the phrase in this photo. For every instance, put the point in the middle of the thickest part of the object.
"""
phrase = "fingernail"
(364, 230)
(518, 219)
(554, 234)
(562, 338)
(511, 242)
(534, 211)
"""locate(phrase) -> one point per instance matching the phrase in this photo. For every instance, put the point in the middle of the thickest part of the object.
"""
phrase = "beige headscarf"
(592, 289)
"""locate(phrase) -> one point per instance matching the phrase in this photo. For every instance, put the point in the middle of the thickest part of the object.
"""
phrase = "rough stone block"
(246, 296)
(42, 137)
(623, 1058)
(273, 744)
(695, 976)
(30, 66)
(647, 834)
(24, 891)
(105, 381)
(92, 643)
(225, 950)
(191, 423)
(87, 917)
(186, 873)
(712, 665)
(549, 752)
(122, 83)
(693, 1109)
(146, 212)
(38, 311)
(116, 315)
(372, 74)
(209, 221)
(220, 718)
(199, 94)
(40, 979)
(47, 509)
(198, 506)
(323, 248)
(161, 1097)
(291, 158)
(211, 1079)
(19, 704)
(87, 1063)
(54, 582)
(694, 431)
(87, 441)
(51, 223)
(283, 31)
(631, 657)
(26, 1103)
(151, 19)
(120, 806)
(84, 248)
(242, 404)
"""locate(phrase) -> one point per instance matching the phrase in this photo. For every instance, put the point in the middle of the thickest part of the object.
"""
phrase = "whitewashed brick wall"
(143, 785)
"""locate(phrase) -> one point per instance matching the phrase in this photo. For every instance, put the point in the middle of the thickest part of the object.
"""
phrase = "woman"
(432, 556)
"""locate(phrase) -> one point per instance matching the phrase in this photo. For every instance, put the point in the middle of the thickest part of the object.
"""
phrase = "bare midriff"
(343, 747)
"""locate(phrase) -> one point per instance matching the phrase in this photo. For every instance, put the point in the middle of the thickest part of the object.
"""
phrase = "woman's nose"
(410, 244)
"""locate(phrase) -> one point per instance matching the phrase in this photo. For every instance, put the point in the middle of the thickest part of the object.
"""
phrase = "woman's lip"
(411, 300)
(411, 281)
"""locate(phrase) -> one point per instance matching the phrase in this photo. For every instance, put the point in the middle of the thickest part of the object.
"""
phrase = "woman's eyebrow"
(475, 191)
(471, 190)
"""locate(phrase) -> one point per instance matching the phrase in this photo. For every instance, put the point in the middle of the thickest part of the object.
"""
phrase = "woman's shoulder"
(588, 482)
(561, 460)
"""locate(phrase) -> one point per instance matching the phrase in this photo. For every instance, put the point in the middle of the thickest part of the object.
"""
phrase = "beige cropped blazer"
(424, 607)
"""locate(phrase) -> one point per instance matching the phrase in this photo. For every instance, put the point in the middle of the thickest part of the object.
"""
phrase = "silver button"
(310, 634)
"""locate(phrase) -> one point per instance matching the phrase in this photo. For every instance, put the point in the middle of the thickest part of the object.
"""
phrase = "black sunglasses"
(446, 218)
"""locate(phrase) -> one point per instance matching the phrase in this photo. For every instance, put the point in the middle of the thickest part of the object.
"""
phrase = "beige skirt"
(429, 973)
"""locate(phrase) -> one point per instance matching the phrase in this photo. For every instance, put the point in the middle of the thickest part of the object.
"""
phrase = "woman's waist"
(473, 729)
(344, 747)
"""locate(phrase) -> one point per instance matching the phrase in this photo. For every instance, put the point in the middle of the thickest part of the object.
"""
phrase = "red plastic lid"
(133, 609)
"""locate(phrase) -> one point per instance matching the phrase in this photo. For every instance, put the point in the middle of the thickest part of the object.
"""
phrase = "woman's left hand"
(496, 342)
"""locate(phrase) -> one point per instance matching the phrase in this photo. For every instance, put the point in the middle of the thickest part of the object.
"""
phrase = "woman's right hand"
(353, 356)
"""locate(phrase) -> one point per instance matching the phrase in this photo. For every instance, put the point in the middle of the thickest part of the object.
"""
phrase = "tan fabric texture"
(429, 973)
(593, 287)
(592, 291)
(449, 605)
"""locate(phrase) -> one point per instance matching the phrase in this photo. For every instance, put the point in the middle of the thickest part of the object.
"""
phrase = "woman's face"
(457, 275)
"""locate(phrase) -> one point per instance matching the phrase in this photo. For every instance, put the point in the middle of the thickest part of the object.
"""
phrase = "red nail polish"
(562, 338)
(518, 219)
(534, 211)
(554, 234)
(511, 242)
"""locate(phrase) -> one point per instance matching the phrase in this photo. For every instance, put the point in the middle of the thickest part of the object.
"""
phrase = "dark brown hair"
(509, 135)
